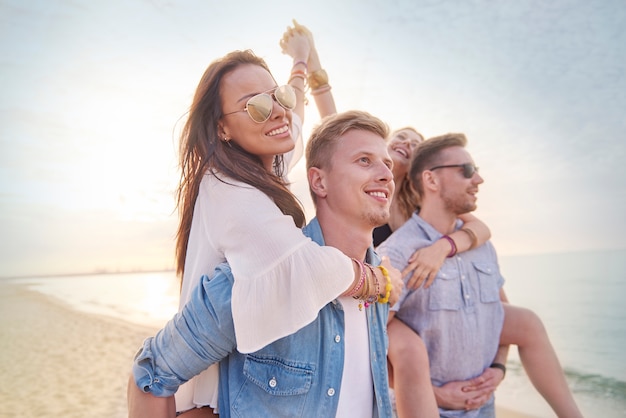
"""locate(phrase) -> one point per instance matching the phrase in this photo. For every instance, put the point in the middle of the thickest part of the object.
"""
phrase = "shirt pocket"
(445, 292)
(488, 282)
(280, 386)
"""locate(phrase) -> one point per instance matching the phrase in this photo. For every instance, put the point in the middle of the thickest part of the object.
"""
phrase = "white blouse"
(282, 278)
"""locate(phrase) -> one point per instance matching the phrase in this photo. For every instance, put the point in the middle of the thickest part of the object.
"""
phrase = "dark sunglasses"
(468, 169)
(259, 107)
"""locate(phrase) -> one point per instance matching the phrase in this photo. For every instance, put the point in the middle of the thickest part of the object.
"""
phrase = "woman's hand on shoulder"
(425, 264)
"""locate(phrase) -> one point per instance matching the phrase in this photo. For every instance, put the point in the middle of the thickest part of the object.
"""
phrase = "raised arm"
(316, 76)
(297, 45)
(426, 262)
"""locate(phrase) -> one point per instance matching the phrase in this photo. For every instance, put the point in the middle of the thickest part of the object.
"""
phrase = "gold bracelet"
(472, 235)
(317, 79)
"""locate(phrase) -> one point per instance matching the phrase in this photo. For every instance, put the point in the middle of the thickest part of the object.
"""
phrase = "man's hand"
(452, 396)
(469, 394)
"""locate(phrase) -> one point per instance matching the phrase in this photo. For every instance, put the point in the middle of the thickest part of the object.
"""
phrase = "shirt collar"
(431, 233)
(313, 230)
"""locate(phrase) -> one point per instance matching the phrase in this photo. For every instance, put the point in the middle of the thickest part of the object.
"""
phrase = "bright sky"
(92, 93)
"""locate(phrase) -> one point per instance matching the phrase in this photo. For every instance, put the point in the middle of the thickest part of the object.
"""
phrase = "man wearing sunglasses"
(460, 316)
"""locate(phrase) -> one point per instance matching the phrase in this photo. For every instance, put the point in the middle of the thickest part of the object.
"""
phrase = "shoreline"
(57, 361)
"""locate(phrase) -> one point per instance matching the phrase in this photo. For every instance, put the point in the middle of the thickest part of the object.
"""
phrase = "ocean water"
(579, 296)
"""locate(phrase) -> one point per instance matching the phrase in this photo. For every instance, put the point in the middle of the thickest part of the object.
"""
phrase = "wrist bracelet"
(385, 298)
(302, 63)
(361, 281)
(317, 79)
(472, 236)
(499, 366)
(452, 252)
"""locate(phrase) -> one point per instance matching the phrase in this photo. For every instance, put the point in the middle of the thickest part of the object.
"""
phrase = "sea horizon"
(104, 271)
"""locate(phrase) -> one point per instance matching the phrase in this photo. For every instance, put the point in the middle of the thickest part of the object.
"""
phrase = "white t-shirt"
(356, 398)
(282, 278)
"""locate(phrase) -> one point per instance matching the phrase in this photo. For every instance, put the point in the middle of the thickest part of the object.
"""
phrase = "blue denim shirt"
(298, 375)
(460, 316)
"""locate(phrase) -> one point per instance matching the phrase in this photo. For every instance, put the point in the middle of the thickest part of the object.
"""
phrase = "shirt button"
(337, 338)
(273, 382)
(463, 277)
(467, 297)
(331, 392)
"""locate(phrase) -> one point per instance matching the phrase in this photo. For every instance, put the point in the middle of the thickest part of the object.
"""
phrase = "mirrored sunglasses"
(259, 107)
(468, 169)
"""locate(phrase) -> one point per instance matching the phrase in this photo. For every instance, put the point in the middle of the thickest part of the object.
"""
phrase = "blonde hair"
(321, 144)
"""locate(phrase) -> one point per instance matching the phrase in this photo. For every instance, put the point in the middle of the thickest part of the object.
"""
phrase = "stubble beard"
(377, 218)
(459, 205)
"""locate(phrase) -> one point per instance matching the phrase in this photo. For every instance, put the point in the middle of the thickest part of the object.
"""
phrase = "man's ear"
(317, 181)
(430, 180)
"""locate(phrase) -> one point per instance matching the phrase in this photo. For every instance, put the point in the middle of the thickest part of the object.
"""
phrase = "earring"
(227, 140)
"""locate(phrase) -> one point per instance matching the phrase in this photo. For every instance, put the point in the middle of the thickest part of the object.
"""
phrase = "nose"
(477, 179)
(384, 173)
(278, 112)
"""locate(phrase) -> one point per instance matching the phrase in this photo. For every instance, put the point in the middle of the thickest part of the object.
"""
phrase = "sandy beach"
(57, 362)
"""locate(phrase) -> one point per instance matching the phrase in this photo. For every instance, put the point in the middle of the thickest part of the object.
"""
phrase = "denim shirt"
(460, 316)
(298, 375)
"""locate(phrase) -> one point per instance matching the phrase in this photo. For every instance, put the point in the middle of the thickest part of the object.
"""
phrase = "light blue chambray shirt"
(296, 376)
(460, 316)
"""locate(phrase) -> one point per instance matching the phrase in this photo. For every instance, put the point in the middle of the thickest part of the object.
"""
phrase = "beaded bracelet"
(452, 252)
(372, 298)
(385, 299)
(366, 286)
(362, 277)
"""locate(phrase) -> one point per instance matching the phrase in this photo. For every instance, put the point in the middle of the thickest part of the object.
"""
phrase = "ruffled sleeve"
(282, 278)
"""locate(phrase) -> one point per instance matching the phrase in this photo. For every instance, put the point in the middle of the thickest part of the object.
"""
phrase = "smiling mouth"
(378, 194)
(278, 131)
(402, 152)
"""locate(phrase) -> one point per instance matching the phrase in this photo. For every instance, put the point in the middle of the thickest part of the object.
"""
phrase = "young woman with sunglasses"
(407, 354)
(235, 206)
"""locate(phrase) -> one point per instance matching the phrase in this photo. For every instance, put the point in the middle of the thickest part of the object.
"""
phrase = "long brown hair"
(407, 196)
(201, 149)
